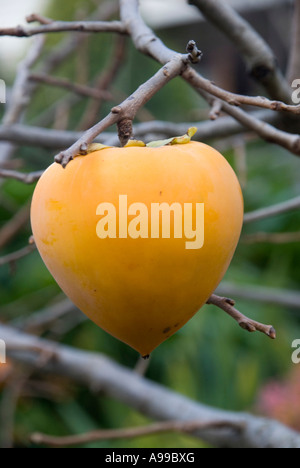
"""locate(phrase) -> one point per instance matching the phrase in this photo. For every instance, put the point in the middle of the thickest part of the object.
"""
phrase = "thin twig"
(74, 87)
(13, 257)
(29, 178)
(240, 160)
(39, 18)
(127, 110)
(64, 26)
(238, 99)
(14, 225)
(261, 62)
(266, 131)
(215, 109)
(273, 210)
(261, 294)
(42, 320)
(244, 322)
(104, 82)
(142, 365)
(133, 432)
(293, 69)
(271, 237)
(9, 401)
(98, 372)
(20, 95)
(56, 139)
(146, 41)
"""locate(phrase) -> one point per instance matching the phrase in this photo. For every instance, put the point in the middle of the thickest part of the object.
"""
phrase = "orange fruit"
(139, 237)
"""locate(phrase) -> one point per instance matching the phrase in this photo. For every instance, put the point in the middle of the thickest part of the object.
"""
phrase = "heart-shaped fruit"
(139, 237)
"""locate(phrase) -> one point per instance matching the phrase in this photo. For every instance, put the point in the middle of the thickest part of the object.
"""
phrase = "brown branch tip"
(244, 322)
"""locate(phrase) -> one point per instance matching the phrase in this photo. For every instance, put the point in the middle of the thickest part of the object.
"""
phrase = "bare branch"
(264, 295)
(74, 87)
(128, 108)
(56, 139)
(142, 365)
(20, 95)
(238, 99)
(223, 127)
(271, 237)
(216, 108)
(40, 19)
(273, 210)
(29, 178)
(133, 432)
(98, 372)
(9, 400)
(104, 82)
(259, 57)
(44, 319)
(266, 131)
(146, 41)
(293, 71)
(64, 26)
(14, 225)
(244, 322)
(13, 257)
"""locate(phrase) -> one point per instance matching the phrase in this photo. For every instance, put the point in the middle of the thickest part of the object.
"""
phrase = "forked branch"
(244, 322)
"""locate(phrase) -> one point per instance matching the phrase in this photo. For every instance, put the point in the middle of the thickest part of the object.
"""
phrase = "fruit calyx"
(178, 140)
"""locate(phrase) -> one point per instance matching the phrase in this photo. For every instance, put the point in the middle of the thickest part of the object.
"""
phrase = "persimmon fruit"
(139, 288)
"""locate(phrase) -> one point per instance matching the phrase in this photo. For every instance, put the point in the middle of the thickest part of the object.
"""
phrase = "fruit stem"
(124, 130)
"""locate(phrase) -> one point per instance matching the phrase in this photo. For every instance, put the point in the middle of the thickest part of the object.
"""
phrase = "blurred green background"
(210, 359)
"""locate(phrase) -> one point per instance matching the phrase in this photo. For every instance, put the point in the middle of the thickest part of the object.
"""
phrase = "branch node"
(116, 110)
(83, 149)
(244, 322)
(229, 301)
(194, 54)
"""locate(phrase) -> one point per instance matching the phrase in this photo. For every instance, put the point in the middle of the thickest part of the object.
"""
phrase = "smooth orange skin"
(139, 290)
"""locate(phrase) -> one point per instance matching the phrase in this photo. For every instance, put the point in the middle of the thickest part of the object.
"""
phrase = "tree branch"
(264, 295)
(13, 226)
(244, 322)
(43, 320)
(98, 372)
(145, 40)
(29, 178)
(293, 71)
(105, 81)
(40, 19)
(238, 99)
(128, 108)
(74, 87)
(273, 210)
(271, 237)
(64, 26)
(133, 432)
(266, 131)
(13, 257)
(56, 139)
(20, 95)
(259, 57)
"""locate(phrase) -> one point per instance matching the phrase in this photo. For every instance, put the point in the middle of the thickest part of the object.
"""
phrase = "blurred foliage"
(211, 359)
